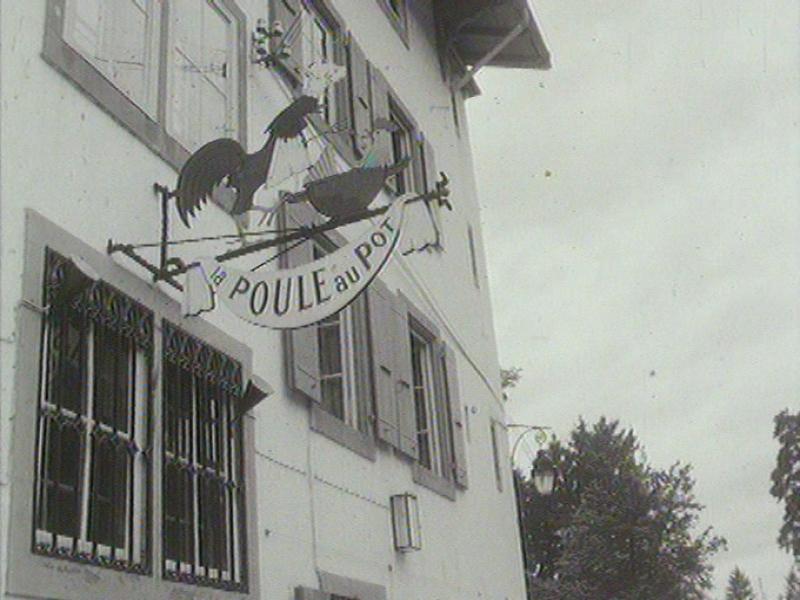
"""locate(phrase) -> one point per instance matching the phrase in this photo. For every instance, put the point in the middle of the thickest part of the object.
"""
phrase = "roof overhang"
(495, 33)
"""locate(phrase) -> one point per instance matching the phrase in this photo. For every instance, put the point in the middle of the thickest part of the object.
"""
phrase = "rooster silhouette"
(222, 170)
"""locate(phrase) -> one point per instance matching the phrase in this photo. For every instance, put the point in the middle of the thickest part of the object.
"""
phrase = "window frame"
(35, 575)
(350, 363)
(201, 457)
(442, 482)
(322, 421)
(290, 74)
(150, 127)
(402, 142)
(234, 105)
(55, 416)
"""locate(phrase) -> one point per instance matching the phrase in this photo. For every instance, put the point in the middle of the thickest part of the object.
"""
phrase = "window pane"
(213, 523)
(330, 348)
(91, 473)
(202, 73)
(418, 358)
(114, 36)
(108, 497)
(202, 492)
(60, 513)
(333, 396)
(67, 355)
(112, 373)
(178, 514)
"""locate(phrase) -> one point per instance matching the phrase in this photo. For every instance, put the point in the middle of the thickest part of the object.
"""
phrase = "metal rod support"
(302, 233)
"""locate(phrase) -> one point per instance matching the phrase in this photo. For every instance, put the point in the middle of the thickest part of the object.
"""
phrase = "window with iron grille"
(92, 468)
(94, 448)
(202, 477)
(93, 508)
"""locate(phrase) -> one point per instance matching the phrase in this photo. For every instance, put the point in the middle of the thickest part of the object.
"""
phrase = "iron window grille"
(92, 441)
(203, 486)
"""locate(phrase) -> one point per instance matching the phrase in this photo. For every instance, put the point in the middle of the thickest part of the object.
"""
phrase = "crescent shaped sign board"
(300, 296)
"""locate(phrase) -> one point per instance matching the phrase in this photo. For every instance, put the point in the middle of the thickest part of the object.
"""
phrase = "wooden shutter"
(382, 340)
(301, 347)
(459, 446)
(403, 381)
(363, 384)
(358, 73)
(380, 112)
(286, 11)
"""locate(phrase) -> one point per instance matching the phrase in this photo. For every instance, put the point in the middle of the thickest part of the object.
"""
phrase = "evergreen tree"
(786, 479)
(739, 586)
(615, 528)
(792, 584)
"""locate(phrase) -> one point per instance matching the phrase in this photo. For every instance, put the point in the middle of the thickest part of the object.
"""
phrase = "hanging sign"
(299, 296)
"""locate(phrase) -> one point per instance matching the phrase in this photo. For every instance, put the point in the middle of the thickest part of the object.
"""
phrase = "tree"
(615, 528)
(739, 586)
(509, 378)
(792, 584)
(786, 479)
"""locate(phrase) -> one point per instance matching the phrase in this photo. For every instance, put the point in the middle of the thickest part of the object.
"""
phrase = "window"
(402, 135)
(131, 451)
(175, 85)
(202, 478)
(202, 64)
(315, 36)
(120, 40)
(328, 362)
(434, 437)
(320, 47)
(92, 473)
(338, 365)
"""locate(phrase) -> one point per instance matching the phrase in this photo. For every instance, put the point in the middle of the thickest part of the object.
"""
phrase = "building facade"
(136, 459)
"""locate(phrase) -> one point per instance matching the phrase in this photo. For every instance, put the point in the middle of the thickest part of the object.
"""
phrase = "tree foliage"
(509, 378)
(792, 584)
(614, 528)
(786, 479)
(739, 586)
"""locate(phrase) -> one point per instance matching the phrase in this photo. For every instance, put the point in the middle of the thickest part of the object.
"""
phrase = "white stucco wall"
(324, 506)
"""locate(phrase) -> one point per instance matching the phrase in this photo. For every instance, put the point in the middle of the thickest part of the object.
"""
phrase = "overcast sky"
(654, 275)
